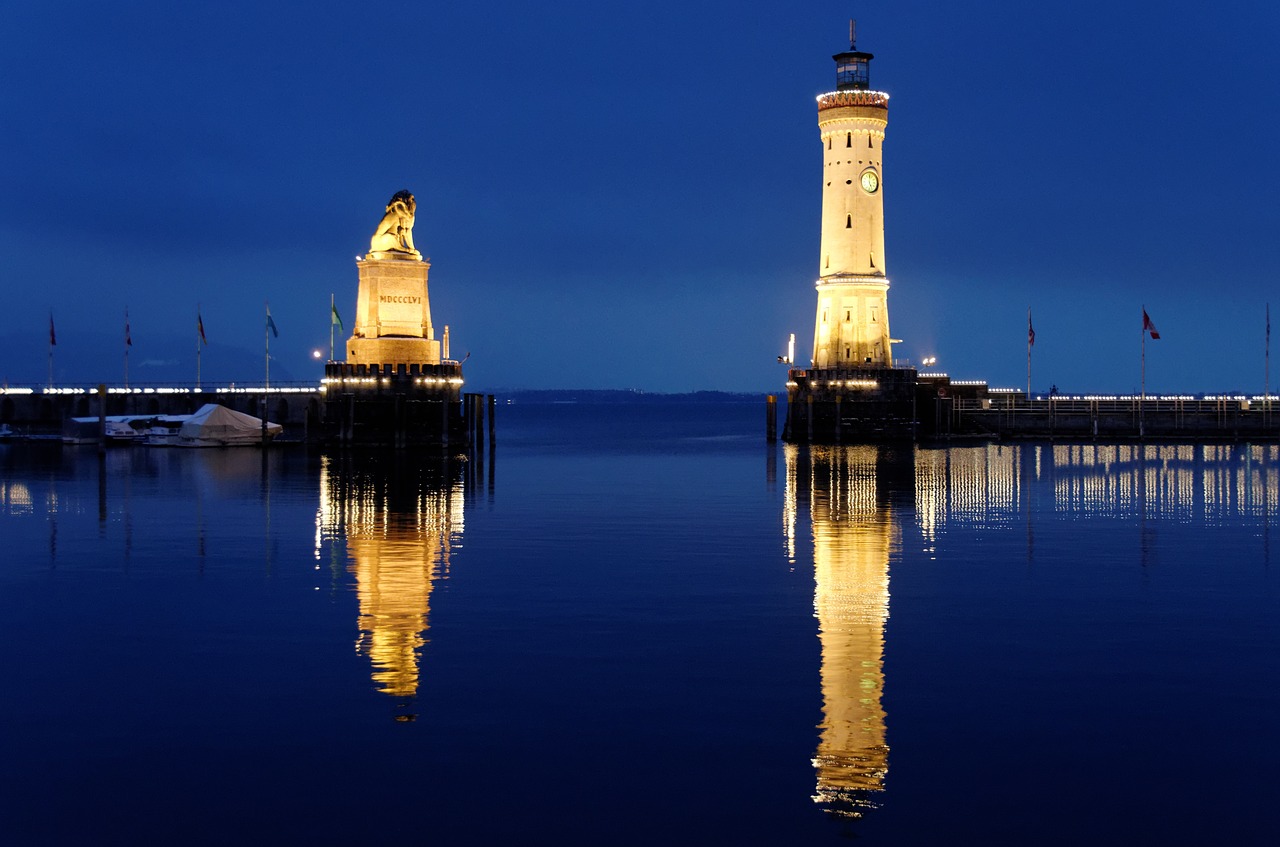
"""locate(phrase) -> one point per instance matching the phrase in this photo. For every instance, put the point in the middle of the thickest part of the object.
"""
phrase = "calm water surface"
(640, 625)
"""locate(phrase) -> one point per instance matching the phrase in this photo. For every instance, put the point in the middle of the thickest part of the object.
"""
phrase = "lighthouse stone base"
(834, 405)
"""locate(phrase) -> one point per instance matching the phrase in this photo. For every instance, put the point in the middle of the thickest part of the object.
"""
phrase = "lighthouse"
(852, 390)
(851, 327)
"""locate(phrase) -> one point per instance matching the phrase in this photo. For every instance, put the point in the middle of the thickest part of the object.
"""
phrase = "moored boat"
(164, 430)
(218, 426)
(119, 429)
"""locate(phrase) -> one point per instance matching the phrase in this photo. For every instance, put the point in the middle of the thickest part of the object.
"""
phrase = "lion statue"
(395, 231)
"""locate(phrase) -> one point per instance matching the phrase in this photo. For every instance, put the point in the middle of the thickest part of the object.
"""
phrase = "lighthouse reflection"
(400, 518)
(856, 503)
(849, 495)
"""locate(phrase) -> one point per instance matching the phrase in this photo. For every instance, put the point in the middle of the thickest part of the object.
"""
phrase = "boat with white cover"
(218, 426)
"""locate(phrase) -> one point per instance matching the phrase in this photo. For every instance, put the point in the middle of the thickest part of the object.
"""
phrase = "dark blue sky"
(628, 195)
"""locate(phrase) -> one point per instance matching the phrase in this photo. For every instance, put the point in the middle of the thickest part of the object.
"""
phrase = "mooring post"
(771, 418)
(102, 418)
(491, 423)
(467, 412)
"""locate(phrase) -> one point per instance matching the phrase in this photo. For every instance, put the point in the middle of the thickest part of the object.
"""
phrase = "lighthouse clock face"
(870, 182)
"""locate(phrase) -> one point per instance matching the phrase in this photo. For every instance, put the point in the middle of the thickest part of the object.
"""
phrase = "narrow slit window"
(870, 146)
(828, 142)
(848, 221)
(848, 139)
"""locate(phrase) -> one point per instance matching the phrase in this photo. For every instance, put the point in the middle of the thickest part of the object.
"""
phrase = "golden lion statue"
(395, 231)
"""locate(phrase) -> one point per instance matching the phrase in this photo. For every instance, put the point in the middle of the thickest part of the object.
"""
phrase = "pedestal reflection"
(400, 519)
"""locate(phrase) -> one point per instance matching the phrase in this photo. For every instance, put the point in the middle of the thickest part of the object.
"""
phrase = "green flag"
(336, 318)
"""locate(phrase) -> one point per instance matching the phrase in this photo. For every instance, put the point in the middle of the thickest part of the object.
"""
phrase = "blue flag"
(271, 325)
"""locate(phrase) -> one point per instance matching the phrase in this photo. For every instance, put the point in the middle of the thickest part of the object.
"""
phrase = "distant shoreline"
(624, 396)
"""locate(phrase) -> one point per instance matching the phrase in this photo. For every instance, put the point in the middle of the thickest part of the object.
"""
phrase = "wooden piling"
(102, 418)
(491, 424)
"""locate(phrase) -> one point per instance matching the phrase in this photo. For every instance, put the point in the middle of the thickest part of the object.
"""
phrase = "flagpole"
(266, 394)
(1030, 341)
(197, 346)
(127, 343)
(53, 340)
(1143, 402)
(332, 309)
(1266, 378)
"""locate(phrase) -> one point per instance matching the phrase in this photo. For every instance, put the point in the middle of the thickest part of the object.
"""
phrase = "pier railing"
(206, 387)
(1015, 416)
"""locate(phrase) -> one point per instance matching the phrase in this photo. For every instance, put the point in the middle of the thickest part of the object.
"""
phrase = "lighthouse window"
(848, 315)
(848, 221)
(848, 139)
(847, 352)
(869, 144)
(828, 142)
(875, 314)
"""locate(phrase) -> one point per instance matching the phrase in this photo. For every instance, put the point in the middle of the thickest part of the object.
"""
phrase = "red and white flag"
(1148, 326)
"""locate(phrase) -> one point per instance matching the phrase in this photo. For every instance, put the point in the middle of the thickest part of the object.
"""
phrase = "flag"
(128, 338)
(200, 330)
(1031, 331)
(53, 336)
(271, 325)
(1148, 326)
(335, 318)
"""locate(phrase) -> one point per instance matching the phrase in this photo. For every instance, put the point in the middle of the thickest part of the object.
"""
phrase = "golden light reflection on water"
(1183, 482)
(16, 499)
(854, 534)
(857, 497)
(400, 524)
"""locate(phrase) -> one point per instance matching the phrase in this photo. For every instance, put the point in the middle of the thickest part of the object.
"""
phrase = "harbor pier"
(1013, 415)
(897, 404)
(354, 406)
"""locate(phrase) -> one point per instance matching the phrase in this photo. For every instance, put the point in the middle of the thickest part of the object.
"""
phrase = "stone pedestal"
(393, 314)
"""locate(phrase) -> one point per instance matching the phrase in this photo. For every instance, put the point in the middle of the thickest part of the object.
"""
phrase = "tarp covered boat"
(218, 426)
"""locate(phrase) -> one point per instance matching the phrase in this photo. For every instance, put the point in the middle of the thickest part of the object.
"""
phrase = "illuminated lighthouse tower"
(851, 328)
(851, 389)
